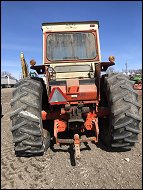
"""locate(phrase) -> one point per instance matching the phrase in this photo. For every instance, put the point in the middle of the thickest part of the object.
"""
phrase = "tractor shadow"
(101, 145)
(71, 151)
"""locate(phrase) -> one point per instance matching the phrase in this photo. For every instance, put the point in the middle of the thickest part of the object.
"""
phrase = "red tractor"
(74, 100)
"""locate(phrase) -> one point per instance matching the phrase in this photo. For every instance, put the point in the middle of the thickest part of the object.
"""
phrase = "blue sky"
(120, 29)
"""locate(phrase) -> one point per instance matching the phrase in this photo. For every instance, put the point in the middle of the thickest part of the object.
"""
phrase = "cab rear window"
(71, 46)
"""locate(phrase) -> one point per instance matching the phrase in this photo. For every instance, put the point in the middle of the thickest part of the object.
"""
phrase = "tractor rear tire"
(122, 126)
(29, 137)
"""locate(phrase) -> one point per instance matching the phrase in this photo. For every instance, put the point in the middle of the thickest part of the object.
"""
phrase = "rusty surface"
(63, 114)
(86, 93)
(77, 146)
(96, 129)
(88, 139)
(88, 123)
(81, 140)
(72, 86)
(91, 123)
(61, 125)
(65, 141)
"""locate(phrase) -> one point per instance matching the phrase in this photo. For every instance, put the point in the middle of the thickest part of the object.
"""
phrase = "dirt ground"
(97, 168)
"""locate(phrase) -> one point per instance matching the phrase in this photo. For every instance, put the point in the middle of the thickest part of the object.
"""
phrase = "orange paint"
(44, 115)
(88, 123)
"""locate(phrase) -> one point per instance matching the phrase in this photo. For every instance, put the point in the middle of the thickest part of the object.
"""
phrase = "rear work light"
(57, 97)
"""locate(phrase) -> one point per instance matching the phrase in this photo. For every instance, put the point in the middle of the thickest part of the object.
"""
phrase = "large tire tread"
(124, 119)
(27, 128)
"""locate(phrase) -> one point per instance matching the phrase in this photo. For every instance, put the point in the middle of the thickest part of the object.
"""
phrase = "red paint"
(85, 93)
(44, 115)
(88, 123)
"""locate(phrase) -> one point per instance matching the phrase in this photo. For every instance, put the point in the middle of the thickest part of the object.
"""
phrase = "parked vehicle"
(137, 79)
(8, 81)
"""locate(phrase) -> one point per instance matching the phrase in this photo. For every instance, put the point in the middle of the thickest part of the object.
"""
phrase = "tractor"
(137, 80)
(70, 99)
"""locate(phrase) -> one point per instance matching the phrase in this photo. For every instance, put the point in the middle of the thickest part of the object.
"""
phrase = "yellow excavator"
(24, 66)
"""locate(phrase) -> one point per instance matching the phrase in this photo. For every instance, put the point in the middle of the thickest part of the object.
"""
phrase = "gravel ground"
(97, 168)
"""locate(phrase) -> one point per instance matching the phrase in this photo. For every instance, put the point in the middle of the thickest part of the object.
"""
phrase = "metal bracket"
(77, 146)
(96, 128)
(77, 151)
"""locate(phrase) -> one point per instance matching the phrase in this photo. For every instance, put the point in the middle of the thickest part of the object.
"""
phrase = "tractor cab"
(72, 49)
